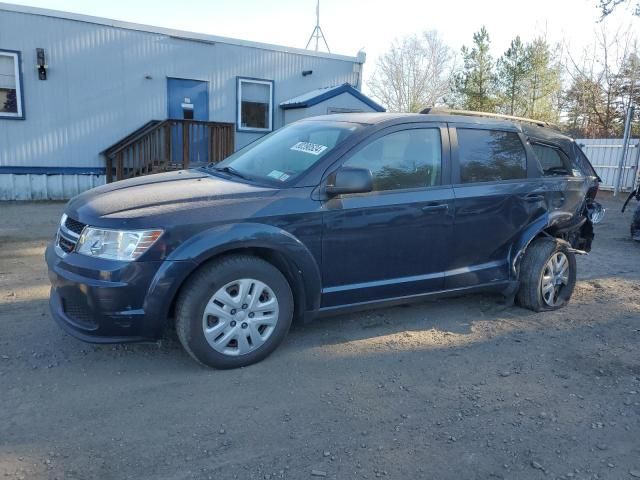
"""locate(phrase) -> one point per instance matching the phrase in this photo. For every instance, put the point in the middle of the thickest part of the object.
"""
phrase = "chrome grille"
(65, 244)
(68, 234)
(74, 225)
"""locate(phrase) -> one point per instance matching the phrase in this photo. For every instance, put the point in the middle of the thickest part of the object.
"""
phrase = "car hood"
(160, 195)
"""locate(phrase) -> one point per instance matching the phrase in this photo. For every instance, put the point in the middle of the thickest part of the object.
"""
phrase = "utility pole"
(317, 31)
(625, 149)
(627, 128)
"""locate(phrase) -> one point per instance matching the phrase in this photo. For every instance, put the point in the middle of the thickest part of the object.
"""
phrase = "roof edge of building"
(328, 93)
(182, 34)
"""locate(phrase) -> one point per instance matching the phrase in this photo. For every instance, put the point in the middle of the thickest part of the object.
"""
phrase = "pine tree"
(512, 78)
(476, 85)
(628, 79)
(581, 118)
(543, 83)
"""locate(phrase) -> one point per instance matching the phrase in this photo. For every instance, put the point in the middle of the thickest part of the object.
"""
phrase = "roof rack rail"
(447, 111)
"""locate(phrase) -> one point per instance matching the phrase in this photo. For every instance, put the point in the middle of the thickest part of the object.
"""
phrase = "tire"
(239, 327)
(538, 271)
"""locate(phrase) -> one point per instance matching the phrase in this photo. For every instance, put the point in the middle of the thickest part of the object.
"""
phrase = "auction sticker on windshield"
(278, 175)
(308, 147)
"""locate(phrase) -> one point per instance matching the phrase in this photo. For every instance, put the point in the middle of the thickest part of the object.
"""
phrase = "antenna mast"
(317, 31)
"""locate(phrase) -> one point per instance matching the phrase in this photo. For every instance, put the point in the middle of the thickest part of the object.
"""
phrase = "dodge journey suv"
(327, 214)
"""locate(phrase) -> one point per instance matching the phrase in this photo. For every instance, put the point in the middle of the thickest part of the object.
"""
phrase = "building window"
(10, 85)
(255, 105)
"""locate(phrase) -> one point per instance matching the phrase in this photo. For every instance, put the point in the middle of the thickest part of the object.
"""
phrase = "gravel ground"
(462, 388)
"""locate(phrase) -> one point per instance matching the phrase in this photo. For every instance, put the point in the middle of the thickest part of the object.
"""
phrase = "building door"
(188, 100)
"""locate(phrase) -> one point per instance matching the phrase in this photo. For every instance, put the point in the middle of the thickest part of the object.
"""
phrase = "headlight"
(124, 245)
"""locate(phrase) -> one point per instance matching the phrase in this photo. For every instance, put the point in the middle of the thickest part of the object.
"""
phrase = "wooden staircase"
(162, 145)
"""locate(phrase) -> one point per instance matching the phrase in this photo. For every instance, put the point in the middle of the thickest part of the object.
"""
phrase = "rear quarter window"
(553, 161)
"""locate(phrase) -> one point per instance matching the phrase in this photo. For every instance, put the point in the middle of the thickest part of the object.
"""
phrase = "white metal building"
(72, 85)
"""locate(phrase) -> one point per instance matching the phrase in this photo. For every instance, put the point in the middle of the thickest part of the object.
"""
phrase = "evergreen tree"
(582, 119)
(475, 87)
(512, 78)
(543, 81)
(628, 79)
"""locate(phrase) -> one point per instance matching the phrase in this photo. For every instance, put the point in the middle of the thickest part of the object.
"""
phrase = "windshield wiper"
(230, 171)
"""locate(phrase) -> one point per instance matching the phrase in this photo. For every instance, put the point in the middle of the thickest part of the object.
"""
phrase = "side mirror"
(350, 180)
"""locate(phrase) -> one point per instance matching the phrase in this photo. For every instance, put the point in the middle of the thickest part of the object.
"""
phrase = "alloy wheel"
(555, 277)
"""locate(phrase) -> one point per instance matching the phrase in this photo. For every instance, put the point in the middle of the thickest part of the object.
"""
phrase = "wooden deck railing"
(168, 145)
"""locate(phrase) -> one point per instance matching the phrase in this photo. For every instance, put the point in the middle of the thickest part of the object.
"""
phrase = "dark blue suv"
(327, 214)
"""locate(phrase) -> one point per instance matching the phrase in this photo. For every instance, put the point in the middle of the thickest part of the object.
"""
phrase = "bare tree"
(413, 74)
(602, 85)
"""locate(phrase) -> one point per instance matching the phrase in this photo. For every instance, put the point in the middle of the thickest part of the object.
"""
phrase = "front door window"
(404, 159)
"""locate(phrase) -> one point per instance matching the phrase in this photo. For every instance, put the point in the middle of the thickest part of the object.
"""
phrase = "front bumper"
(105, 301)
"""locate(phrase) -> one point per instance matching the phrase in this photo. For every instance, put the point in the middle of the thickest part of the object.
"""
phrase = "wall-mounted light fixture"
(306, 72)
(41, 64)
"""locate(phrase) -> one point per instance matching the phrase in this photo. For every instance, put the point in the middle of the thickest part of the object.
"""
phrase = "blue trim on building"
(334, 92)
(20, 75)
(273, 106)
(52, 170)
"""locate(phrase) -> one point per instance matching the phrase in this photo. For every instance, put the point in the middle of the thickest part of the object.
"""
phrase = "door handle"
(533, 197)
(435, 207)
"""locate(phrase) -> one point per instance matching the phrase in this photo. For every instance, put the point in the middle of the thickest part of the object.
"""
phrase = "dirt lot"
(451, 389)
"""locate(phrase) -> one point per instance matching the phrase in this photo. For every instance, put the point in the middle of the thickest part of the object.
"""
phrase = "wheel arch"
(274, 245)
(285, 265)
(536, 229)
(542, 227)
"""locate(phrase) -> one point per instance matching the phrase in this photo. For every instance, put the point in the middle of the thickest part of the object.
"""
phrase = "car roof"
(376, 118)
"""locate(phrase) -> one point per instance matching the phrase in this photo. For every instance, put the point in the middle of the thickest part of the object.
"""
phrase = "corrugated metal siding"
(46, 187)
(97, 93)
(604, 155)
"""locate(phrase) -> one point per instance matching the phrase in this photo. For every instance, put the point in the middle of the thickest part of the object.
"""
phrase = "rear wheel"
(234, 312)
(547, 275)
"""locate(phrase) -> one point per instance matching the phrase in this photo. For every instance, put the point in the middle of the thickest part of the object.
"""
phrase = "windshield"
(284, 154)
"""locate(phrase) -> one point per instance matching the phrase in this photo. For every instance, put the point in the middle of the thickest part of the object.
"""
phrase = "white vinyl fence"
(604, 155)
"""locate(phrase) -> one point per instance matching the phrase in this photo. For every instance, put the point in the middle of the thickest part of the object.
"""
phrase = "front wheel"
(234, 312)
(547, 275)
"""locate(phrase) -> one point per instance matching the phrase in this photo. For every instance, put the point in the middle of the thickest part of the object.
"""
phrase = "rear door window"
(490, 155)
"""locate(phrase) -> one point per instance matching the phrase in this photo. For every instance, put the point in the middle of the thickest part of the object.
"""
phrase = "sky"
(351, 25)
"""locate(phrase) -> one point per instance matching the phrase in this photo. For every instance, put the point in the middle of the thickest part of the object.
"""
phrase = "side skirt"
(505, 287)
